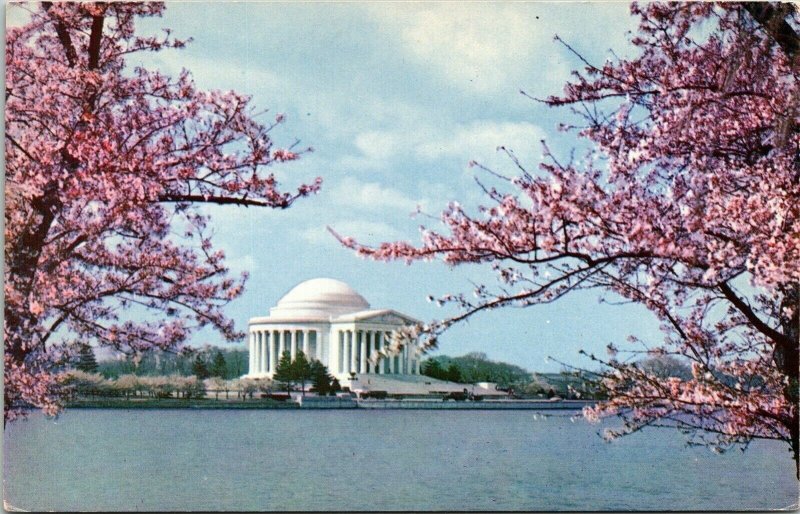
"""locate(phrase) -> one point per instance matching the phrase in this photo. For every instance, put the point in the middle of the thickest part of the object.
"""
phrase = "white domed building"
(332, 323)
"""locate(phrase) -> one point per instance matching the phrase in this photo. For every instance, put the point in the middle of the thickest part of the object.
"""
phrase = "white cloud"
(489, 48)
(371, 196)
(240, 264)
(377, 145)
(480, 47)
(217, 73)
(479, 140)
(456, 143)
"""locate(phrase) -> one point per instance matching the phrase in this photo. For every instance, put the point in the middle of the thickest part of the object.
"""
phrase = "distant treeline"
(475, 367)
(232, 363)
(205, 362)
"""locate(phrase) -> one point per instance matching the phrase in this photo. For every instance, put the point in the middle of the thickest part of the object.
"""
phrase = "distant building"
(332, 323)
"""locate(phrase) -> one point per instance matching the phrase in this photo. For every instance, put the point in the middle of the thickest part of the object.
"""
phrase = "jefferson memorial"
(330, 322)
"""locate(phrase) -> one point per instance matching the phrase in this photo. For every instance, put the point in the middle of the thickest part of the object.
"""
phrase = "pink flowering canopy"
(106, 167)
(688, 203)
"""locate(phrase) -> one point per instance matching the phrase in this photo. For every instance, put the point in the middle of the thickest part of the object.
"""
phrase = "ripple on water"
(373, 460)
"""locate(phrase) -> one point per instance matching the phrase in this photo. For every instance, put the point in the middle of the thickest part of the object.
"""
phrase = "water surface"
(373, 460)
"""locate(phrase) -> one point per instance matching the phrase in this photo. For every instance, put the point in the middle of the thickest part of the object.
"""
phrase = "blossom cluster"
(687, 203)
(107, 167)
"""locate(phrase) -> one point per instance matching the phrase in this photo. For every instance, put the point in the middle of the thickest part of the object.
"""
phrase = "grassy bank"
(177, 403)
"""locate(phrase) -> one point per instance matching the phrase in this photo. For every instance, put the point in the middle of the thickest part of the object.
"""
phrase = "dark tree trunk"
(772, 16)
(787, 358)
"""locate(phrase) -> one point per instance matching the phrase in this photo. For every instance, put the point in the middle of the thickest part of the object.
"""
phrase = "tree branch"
(751, 316)
(222, 200)
(63, 36)
(94, 41)
(772, 19)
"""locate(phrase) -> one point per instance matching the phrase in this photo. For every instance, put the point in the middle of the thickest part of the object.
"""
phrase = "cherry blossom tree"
(108, 168)
(688, 203)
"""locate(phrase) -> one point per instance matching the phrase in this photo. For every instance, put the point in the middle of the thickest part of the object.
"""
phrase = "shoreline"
(314, 403)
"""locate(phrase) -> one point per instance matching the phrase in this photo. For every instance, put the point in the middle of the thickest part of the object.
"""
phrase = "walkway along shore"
(315, 402)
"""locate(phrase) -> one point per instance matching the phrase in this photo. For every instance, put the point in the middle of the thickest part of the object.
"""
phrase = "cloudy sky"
(396, 99)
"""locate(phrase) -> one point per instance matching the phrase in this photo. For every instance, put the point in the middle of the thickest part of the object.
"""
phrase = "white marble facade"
(330, 322)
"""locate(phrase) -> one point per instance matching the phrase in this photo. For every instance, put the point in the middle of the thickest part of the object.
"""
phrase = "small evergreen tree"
(453, 373)
(199, 368)
(219, 367)
(86, 359)
(301, 369)
(433, 369)
(320, 378)
(335, 386)
(284, 371)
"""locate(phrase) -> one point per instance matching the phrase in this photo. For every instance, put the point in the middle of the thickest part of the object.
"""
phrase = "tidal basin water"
(168, 460)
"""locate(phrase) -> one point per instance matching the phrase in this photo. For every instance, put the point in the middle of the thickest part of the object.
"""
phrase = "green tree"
(284, 371)
(476, 367)
(86, 359)
(335, 386)
(219, 367)
(453, 373)
(320, 377)
(236, 360)
(301, 369)
(433, 369)
(200, 369)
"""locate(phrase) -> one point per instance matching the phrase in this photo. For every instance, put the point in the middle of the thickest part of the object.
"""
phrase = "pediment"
(390, 319)
(384, 317)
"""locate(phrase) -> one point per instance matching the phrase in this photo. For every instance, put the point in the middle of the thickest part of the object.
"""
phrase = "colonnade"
(267, 346)
(348, 351)
(355, 347)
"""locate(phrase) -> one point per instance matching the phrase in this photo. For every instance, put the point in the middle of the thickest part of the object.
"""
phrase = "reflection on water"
(373, 460)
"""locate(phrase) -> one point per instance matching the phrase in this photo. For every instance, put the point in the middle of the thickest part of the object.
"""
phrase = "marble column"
(382, 346)
(305, 344)
(281, 343)
(370, 350)
(251, 356)
(318, 344)
(340, 349)
(351, 352)
(385, 360)
(257, 355)
(363, 364)
(346, 346)
(268, 351)
(393, 356)
(293, 339)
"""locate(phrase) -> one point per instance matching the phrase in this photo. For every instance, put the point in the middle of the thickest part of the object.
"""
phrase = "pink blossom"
(694, 214)
(104, 164)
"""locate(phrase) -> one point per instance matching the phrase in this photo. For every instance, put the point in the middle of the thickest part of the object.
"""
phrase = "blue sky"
(396, 99)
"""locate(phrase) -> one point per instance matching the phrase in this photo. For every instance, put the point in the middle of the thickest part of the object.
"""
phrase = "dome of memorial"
(319, 298)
